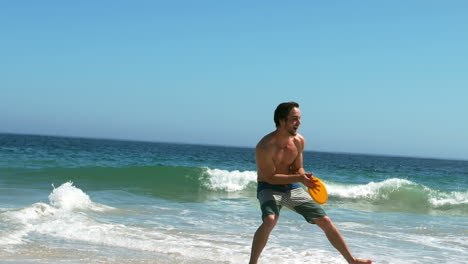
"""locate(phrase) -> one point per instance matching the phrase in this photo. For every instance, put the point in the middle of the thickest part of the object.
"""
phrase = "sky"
(374, 77)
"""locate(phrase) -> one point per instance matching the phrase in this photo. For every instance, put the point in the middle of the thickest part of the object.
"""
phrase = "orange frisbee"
(319, 193)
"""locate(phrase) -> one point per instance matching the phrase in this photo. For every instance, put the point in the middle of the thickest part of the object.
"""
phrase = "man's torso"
(283, 156)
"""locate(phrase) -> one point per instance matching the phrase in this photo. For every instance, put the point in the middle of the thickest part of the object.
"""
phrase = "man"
(280, 170)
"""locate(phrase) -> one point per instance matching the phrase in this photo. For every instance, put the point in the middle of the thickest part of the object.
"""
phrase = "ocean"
(74, 200)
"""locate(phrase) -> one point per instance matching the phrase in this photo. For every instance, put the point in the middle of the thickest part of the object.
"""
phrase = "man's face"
(293, 121)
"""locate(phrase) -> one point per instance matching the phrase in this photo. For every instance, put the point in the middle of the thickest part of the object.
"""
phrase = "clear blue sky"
(379, 77)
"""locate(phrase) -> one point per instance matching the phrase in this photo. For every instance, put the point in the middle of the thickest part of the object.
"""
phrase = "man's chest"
(285, 156)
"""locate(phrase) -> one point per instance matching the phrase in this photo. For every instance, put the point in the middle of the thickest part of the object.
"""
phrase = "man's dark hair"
(282, 111)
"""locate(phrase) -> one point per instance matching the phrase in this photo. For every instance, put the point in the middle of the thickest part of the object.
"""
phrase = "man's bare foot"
(357, 261)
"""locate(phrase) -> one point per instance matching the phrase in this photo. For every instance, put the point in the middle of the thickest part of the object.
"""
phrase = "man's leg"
(337, 240)
(261, 236)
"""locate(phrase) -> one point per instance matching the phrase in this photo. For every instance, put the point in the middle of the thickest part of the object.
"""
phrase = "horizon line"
(230, 146)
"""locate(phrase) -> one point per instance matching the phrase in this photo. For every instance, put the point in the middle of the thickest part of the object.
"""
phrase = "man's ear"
(282, 122)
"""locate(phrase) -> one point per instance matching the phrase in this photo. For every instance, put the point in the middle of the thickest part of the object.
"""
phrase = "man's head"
(283, 110)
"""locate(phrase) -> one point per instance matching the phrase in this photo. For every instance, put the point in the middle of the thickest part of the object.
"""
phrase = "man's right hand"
(308, 180)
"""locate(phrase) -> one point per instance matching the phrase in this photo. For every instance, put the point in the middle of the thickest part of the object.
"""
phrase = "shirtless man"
(280, 170)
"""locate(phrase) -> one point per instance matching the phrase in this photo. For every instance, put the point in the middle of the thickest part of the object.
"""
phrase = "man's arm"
(298, 165)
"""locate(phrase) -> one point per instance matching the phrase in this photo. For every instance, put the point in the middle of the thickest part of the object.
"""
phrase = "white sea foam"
(62, 200)
(229, 181)
(68, 197)
(372, 190)
(442, 200)
(33, 212)
(13, 237)
(399, 189)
